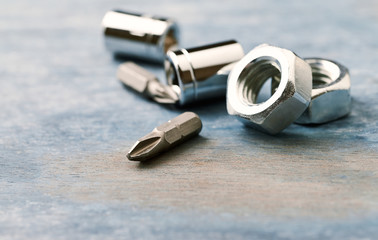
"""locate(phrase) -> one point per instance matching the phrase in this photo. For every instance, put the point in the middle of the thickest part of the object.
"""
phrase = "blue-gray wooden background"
(66, 124)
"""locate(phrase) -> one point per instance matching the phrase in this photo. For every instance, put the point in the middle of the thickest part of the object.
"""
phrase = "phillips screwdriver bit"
(146, 83)
(166, 136)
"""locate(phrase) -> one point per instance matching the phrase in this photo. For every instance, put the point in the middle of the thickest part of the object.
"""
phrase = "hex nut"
(330, 97)
(285, 105)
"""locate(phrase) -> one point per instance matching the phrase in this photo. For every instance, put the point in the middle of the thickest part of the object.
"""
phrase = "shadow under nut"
(285, 105)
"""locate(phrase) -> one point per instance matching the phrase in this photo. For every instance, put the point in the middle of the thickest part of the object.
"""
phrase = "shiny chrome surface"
(139, 36)
(285, 105)
(330, 98)
(166, 136)
(201, 72)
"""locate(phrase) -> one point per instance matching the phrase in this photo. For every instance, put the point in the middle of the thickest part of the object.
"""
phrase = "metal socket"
(201, 73)
(139, 36)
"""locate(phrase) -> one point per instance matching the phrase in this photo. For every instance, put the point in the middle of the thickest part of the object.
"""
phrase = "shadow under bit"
(172, 154)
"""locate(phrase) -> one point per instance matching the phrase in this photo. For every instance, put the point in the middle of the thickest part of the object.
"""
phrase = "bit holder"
(201, 73)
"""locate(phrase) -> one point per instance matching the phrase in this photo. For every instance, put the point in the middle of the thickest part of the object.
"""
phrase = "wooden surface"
(67, 123)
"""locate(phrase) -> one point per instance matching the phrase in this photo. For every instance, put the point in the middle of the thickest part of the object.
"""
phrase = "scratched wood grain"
(67, 123)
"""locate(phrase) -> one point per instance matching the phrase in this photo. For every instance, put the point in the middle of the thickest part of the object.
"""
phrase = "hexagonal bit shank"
(146, 83)
(166, 136)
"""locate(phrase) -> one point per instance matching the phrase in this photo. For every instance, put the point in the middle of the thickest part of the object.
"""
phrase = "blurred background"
(66, 123)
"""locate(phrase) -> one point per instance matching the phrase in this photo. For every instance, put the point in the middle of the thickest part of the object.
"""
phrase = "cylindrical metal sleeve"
(202, 72)
(139, 36)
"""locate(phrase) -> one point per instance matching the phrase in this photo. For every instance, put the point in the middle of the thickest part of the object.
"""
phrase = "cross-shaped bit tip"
(166, 136)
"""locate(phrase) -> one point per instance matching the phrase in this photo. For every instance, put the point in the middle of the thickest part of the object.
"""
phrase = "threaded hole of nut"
(253, 77)
(323, 73)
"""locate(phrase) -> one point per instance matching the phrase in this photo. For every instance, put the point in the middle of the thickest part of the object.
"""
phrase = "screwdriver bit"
(146, 83)
(166, 136)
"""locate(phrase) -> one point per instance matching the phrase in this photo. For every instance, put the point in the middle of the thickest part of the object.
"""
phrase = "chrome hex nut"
(288, 102)
(330, 98)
